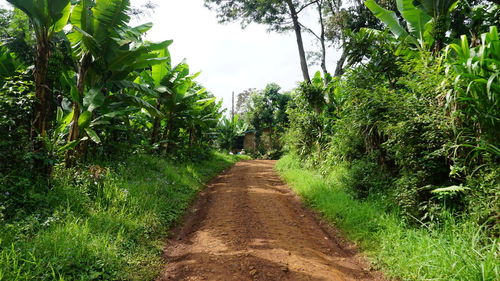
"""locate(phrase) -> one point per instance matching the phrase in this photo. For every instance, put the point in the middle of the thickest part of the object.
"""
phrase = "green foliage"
(102, 222)
(474, 102)
(400, 129)
(16, 104)
(427, 21)
(47, 17)
(266, 109)
(388, 17)
(8, 64)
(273, 13)
(473, 17)
(313, 111)
(306, 125)
(266, 113)
(16, 35)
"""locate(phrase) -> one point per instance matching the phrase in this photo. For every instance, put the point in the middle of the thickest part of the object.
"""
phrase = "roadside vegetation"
(106, 222)
(453, 249)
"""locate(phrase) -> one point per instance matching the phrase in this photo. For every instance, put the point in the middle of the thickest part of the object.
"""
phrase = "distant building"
(249, 140)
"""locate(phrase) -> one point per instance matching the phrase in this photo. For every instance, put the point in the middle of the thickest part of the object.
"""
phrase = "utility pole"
(232, 107)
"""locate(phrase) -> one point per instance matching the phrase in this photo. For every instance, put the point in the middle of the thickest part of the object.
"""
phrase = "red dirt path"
(248, 225)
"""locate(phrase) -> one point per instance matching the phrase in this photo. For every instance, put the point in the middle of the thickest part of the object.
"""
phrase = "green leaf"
(66, 121)
(125, 84)
(133, 34)
(93, 99)
(93, 135)
(416, 19)
(84, 119)
(114, 114)
(387, 17)
(110, 16)
(8, 63)
(83, 42)
(206, 102)
(81, 16)
(159, 71)
(435, 8)
(64, 16)
(69, 145)
(46, 16)
(59, 115)
(136, 101)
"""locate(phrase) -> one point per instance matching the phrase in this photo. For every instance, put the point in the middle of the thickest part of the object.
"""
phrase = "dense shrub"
(398, 138)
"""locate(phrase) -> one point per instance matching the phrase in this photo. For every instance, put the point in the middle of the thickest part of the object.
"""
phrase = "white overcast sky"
(229, 58)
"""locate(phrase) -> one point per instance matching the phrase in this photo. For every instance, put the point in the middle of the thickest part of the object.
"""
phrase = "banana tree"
(177, 93)
(202, 116)
(107, 52)
(178, 102)
(426, 21)
(94, 24)
(47, 17)
(439, 10)
(228, 130)
(418, 25)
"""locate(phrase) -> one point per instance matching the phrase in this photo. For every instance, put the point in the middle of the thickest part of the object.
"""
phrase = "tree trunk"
(322, 39)
(156, 127)
(339, 70)
(300, 43)
(191, 136)
(42, 108)
(156, 130)
(74, 131)
(168, 132)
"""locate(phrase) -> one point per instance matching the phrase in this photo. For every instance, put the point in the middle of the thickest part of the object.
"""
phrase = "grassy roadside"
(102, 223)
(457, 250)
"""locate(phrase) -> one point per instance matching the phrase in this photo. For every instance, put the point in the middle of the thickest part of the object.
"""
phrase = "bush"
(456, 249)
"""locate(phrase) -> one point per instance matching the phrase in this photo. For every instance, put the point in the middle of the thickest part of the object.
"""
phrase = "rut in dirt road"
(248, 225)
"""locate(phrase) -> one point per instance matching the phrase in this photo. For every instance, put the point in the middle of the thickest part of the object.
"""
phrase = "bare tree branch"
(310, 31)
(306, 5)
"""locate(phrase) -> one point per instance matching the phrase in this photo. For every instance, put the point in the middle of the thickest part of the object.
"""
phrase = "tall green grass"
(104, 227)
(456, 250)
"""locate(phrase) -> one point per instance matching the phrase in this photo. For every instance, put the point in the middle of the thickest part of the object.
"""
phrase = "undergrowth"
(456, 249)
(104, 222)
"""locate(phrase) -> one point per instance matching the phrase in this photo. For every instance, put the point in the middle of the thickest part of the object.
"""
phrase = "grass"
(106, 224)
(457, 250)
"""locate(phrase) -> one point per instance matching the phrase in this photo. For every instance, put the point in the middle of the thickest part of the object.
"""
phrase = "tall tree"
(108, 54)
(321, 7)
(242, 101)
(47, 17)
(278, 15)
(342, 22)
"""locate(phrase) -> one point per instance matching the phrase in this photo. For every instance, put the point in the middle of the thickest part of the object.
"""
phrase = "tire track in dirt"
(248, 225)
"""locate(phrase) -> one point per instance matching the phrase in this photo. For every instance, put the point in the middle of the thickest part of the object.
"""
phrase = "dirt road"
(248, 225)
